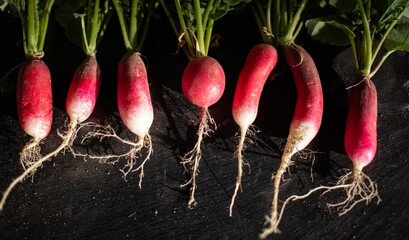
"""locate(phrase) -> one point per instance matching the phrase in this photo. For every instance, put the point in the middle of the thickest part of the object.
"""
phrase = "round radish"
(258, 66)
(203, 83)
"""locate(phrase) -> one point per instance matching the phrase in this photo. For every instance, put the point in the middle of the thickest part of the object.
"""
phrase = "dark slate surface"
(72, 198)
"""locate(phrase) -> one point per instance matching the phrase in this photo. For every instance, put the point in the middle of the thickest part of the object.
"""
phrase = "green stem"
(276, 17)
(183, 25)
(284, 14)
(207, 12)
(209, 28)
(289, 35)
(145, 26)
(133, 22)
(386, 33)
(260, 24)
(31, 29)
(44, 24)
(124, 29)
(367, 43)
(262, 15)
(84, 35)
(381, 62)
(199, 26)
(94, 29)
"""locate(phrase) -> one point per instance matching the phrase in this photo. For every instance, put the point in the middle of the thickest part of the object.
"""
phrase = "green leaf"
(235, 2)
(386, 11)
(64, 14)
(330, 32)
(3, 5)
(398, 38)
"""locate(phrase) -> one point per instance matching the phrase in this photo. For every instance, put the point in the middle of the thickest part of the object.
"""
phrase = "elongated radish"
(134, 101)
(34, 106)
(306, 120)
(259, 64)
(360, 143)
(84, 90)
(203, 83)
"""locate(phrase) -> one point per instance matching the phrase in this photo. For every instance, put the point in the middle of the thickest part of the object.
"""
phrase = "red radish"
(84, 90)
(258, 66)
(306, 119)
(134, 100)
(360, 143)
(360, 132)
(203, 83)
(34, 106)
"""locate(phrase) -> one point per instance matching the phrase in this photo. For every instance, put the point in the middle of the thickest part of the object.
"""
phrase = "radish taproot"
(258, 66)
(203, 84)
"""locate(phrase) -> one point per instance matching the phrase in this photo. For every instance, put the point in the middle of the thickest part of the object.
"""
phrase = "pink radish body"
(258, 66)
(360, 132)
(309, 106)
(84, 90)
(203, 81)
(34, 98)
(134, 100)
(306, 119)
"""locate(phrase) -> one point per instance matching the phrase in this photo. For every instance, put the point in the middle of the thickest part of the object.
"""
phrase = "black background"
(73, 198)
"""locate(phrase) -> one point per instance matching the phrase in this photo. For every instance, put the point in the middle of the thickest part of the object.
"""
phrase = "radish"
(34, 106)
(34, 93)
(203, 80)
(203, 83)
(134, 101)
(259, 64)
(282, 27)
(306, 120)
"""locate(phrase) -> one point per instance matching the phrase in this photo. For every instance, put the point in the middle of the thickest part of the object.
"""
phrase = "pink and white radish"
(203, 84)
(34, 106)
(306, 120)
(360, 143)
(258, 66)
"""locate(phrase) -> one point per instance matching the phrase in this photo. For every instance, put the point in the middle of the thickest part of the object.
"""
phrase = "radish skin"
(34, 106)
(203, 84)
(306, 120)
(258, 66)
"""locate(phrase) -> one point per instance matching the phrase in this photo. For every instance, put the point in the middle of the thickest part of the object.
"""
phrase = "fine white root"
(193, 157)
(32, 167)
(362, 189)
(30, 153)
(240, 163)
(131, 155)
